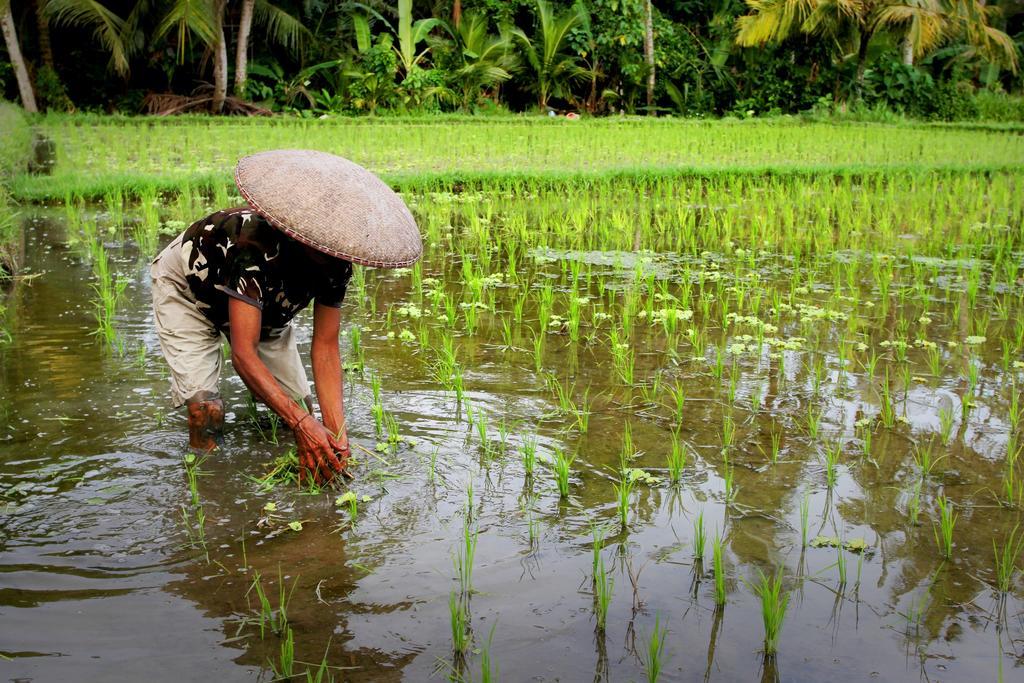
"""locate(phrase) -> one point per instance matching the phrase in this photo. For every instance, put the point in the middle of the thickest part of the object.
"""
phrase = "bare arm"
(316, 446)
(327, 371)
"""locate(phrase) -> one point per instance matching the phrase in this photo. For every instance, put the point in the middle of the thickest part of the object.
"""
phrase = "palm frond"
(282, 28)
(108, 28)
(189, 16)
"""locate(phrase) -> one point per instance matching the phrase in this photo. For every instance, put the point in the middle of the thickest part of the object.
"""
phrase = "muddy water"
(102, 577)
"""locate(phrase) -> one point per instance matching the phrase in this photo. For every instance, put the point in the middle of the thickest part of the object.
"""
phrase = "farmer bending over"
(244, 273)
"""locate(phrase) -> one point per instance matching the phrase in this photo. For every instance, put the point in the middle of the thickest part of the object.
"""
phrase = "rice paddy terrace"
(664, 400)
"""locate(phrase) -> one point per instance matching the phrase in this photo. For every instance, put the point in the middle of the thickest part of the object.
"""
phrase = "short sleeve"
(332, 285)
(245, 277)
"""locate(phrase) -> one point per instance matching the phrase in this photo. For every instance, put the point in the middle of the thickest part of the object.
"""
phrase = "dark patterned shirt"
(237, 253)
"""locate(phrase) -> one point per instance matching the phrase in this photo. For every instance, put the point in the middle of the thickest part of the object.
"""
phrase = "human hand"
(317, 451)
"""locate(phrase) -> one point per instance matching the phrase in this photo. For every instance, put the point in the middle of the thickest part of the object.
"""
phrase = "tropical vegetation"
(944, 59)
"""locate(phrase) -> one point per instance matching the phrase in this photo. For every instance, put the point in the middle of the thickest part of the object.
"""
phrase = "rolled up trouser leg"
(191, 346)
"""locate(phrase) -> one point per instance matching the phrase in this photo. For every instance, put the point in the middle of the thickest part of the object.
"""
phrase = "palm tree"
(486, 59)
(547, 54)
(28, 96)
(282, 28)
(649, 53)
(924, 24)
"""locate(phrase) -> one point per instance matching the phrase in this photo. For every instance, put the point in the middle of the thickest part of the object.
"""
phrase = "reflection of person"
(244, 273)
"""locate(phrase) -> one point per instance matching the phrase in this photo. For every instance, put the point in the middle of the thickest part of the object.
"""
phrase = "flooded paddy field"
(612, 430)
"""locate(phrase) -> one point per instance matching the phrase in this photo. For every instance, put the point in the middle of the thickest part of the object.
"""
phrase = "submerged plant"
(561, 464)
(1006, 558)
(718, 566)
(944, 530)
(774, 601)
(699, 537)
(676, 458)
(655, 651)
(604, 586)
(528, 450)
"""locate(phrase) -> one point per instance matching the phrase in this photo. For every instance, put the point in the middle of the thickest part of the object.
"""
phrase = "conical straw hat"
(331, 204)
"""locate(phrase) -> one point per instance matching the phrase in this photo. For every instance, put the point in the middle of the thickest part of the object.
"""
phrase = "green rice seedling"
(734, 383)
(623, 492)
(432, 471)
(583, 413)
(356, 361)
(1006, 557)
(193, 464)
(914, 501)
(563, 394)
(817, 374)
(349, 500)
(538, 351)
(699, 537)
(925, 459)
(275, 619)
(755, 398)
(459, 617)
(805, 508)
(488, 669)
(934, 360)
(944, 531)
(624, 361)
(728, 433)
(887, 410)
(598, 533)
(676, 458)
(463, 558)
(776, 445)
(812, 420)
(285, 667)
(946, 424)
(718, 369)
(628, 450)
(481, 430)
(561, 466)
(394, 435)
(841, 564)
(832, 453)
(528, 451)
(604, 587)
(718, 564)
(503, 431)
(678, 393)
(1016, 410)
(774, 602)
(377, 410)
(653, 659)
(729, 479)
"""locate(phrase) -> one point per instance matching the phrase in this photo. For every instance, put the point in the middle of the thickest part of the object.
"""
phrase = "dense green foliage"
(318, 58)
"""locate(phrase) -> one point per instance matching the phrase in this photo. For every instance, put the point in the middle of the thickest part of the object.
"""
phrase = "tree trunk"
(43, 26)
(862, 59)
(28, 97)
(242, 49)
(649, 54)
(220, 63)
(457, 12)
(908, 51)
(592, 97)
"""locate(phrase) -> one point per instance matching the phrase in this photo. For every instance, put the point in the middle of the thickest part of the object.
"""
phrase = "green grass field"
(97, 155)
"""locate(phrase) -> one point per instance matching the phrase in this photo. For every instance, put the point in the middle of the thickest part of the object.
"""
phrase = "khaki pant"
(192, 345)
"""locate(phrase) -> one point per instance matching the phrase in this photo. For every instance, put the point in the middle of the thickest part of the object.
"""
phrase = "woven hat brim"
(331, 204)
